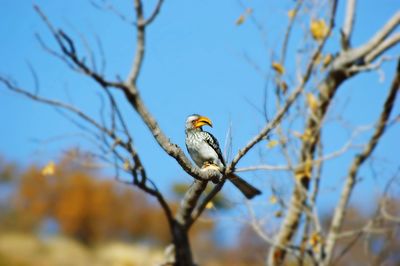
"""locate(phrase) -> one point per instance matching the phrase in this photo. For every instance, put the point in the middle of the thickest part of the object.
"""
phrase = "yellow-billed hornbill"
(204, 150)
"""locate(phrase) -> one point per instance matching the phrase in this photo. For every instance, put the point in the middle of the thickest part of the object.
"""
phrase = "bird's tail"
(248, 190)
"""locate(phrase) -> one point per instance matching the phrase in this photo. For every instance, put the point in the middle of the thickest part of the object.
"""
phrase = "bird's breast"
(201, 153)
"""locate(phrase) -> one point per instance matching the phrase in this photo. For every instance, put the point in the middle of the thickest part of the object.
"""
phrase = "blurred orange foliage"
(90, 208)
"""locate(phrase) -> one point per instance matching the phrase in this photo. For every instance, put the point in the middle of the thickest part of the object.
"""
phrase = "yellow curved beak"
(201, 121)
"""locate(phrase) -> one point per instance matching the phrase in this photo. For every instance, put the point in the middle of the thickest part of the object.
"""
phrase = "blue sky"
(193, 46)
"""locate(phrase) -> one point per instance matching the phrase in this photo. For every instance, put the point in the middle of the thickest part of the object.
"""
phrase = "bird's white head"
(196, 121)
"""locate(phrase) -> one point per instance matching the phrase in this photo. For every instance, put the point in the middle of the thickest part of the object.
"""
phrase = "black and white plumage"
(204, 149)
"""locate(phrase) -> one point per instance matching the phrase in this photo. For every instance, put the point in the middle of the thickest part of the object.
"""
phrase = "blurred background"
(68, 214)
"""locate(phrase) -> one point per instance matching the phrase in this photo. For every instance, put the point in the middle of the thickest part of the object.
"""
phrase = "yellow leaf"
(304, 171)
(272, 144)
(307, 136)
(49, 169)
(273, 199)
(209, 205)
(315, 240)
(278, 68)
(327, 60)
(278, 214)
(308, 168)
(291, 13)
(318, 29)
(240, 20)
(312, 102)
(127, 165)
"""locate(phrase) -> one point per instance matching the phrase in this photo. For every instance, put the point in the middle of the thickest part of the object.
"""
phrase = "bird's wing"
(213, 142)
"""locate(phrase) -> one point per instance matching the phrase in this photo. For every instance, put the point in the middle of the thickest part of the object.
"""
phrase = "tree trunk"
(183, 252)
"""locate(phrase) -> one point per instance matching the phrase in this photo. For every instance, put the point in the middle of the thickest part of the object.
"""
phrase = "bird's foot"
(212, 167)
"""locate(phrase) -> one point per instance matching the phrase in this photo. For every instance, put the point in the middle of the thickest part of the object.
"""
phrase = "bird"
(204, 150)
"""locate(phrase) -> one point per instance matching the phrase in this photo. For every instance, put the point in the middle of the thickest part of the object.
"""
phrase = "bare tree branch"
(383, 206)
(189, 202)
(116, 140)
(140, 44)
(112, 9)
(327, 89)
(348, 24)
(292, 97)
(289, 31)
(110, 133)
(340, 210)
(383, 47)
(154, 14)
(57, 104)
(67, 46)
(354, 54)
(385, 213)
(198, 210)
(130, 89)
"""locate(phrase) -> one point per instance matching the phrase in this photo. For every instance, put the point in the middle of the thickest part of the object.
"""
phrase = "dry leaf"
(307, 136)
(127, 165)
(308, 168)
(272, 144)
(209, 205)
(304, 171)
(327, 60)
(240, 20)
(315, 240)
(49, 169)
(278, 68)
(273, 199)
(318, 29)
(312, 102)
(299, 174)
(283, 86)
(291, 13)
